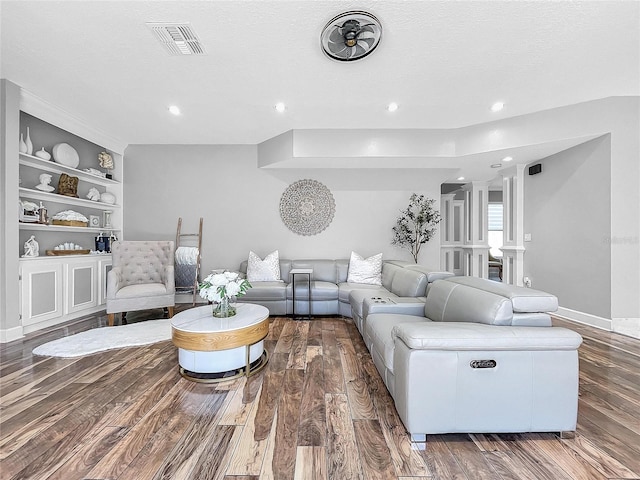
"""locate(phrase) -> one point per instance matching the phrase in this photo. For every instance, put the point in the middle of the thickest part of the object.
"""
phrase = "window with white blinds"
(495, 217)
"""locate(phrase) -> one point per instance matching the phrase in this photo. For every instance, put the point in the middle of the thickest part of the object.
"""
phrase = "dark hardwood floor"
(318, 411)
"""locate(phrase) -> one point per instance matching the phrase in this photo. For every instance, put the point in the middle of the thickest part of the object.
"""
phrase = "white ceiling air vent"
(177, 38)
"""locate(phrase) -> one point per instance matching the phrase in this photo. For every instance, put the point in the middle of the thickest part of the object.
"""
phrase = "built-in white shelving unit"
(56, 288)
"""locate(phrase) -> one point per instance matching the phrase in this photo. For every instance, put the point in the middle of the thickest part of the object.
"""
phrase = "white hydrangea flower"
(231, 276)
(219, 280)
(233, 289)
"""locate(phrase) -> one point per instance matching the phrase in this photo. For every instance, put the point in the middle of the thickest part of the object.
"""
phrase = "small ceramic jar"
(43, 154)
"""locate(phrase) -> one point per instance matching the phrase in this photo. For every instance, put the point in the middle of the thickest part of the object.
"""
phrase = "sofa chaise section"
(472, 377)
(464, 365)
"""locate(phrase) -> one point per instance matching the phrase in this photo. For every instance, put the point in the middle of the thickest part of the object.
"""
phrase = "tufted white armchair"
(141, 278)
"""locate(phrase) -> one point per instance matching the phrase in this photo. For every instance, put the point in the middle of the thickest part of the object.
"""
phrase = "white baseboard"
(586, 318)
(627, 326)
(10, 334)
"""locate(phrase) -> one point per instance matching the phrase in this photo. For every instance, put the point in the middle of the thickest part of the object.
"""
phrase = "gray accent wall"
(240, 204)
(568, 214)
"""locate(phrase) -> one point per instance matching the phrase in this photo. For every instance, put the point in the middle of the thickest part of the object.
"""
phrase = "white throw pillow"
(365, 270)
(267, 270)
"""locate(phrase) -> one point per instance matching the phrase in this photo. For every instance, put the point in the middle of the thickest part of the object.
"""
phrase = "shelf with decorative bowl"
(49, 166)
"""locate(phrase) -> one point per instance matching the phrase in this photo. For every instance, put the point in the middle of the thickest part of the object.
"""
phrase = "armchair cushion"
(142, 290)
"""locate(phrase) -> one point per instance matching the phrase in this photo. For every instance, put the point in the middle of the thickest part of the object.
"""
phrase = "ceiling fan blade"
(366, 34)
(337, 48)
(336, 36)
(365, 45)
(352, 51)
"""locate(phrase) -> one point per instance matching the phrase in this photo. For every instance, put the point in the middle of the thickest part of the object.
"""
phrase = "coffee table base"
(217, 377)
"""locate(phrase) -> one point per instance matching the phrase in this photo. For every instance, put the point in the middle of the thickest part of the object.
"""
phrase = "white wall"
(619, 117)
(9, 172)
(240, 205)
(568, 213)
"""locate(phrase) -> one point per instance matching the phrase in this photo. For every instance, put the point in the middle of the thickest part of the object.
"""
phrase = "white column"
(446, 231)
(513, 225)
(476, 237)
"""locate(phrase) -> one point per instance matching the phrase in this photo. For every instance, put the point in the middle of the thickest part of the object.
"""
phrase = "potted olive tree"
(416, 225)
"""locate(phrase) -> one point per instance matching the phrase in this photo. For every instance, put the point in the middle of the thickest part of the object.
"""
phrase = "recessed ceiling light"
(460, 178)
(392, 107)
(174, 110)
(280, 107)
(507, 159)
(496, 165)
(496, 107)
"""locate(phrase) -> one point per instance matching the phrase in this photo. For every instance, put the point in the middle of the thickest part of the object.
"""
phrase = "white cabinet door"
(42, 291)
(82, 285)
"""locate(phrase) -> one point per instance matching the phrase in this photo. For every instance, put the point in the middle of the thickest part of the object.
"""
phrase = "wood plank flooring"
(319, 410)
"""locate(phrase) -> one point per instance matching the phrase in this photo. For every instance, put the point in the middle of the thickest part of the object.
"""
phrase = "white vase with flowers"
(220, 288)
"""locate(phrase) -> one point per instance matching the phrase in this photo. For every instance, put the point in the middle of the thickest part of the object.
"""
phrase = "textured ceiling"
(445, 63)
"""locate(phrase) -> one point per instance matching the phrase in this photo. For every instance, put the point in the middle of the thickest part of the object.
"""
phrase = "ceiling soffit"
(449, 152)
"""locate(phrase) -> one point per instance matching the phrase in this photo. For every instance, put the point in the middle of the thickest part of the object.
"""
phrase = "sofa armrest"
(397, 305)
(460, 336)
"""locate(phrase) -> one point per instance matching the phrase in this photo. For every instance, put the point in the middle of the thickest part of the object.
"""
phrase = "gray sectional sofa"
(477, 356)
(331, 294)
(457, 354)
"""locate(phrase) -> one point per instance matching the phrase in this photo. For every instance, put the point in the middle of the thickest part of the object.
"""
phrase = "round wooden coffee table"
(214, 349)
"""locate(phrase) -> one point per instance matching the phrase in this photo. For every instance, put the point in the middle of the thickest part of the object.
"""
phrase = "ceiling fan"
(351, 36)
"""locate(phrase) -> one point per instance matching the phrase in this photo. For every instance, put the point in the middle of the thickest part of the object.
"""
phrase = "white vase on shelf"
(23, 146)
(29, 143)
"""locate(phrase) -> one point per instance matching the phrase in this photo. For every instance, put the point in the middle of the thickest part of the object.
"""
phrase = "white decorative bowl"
(108, 197)
(66, 155)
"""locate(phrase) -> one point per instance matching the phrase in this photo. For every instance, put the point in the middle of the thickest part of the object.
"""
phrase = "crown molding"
(36, 106)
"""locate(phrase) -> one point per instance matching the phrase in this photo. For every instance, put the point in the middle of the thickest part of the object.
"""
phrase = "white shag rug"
(107, 338)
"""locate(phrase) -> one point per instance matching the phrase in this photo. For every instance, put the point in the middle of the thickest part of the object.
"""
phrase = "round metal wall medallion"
(307, 207)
